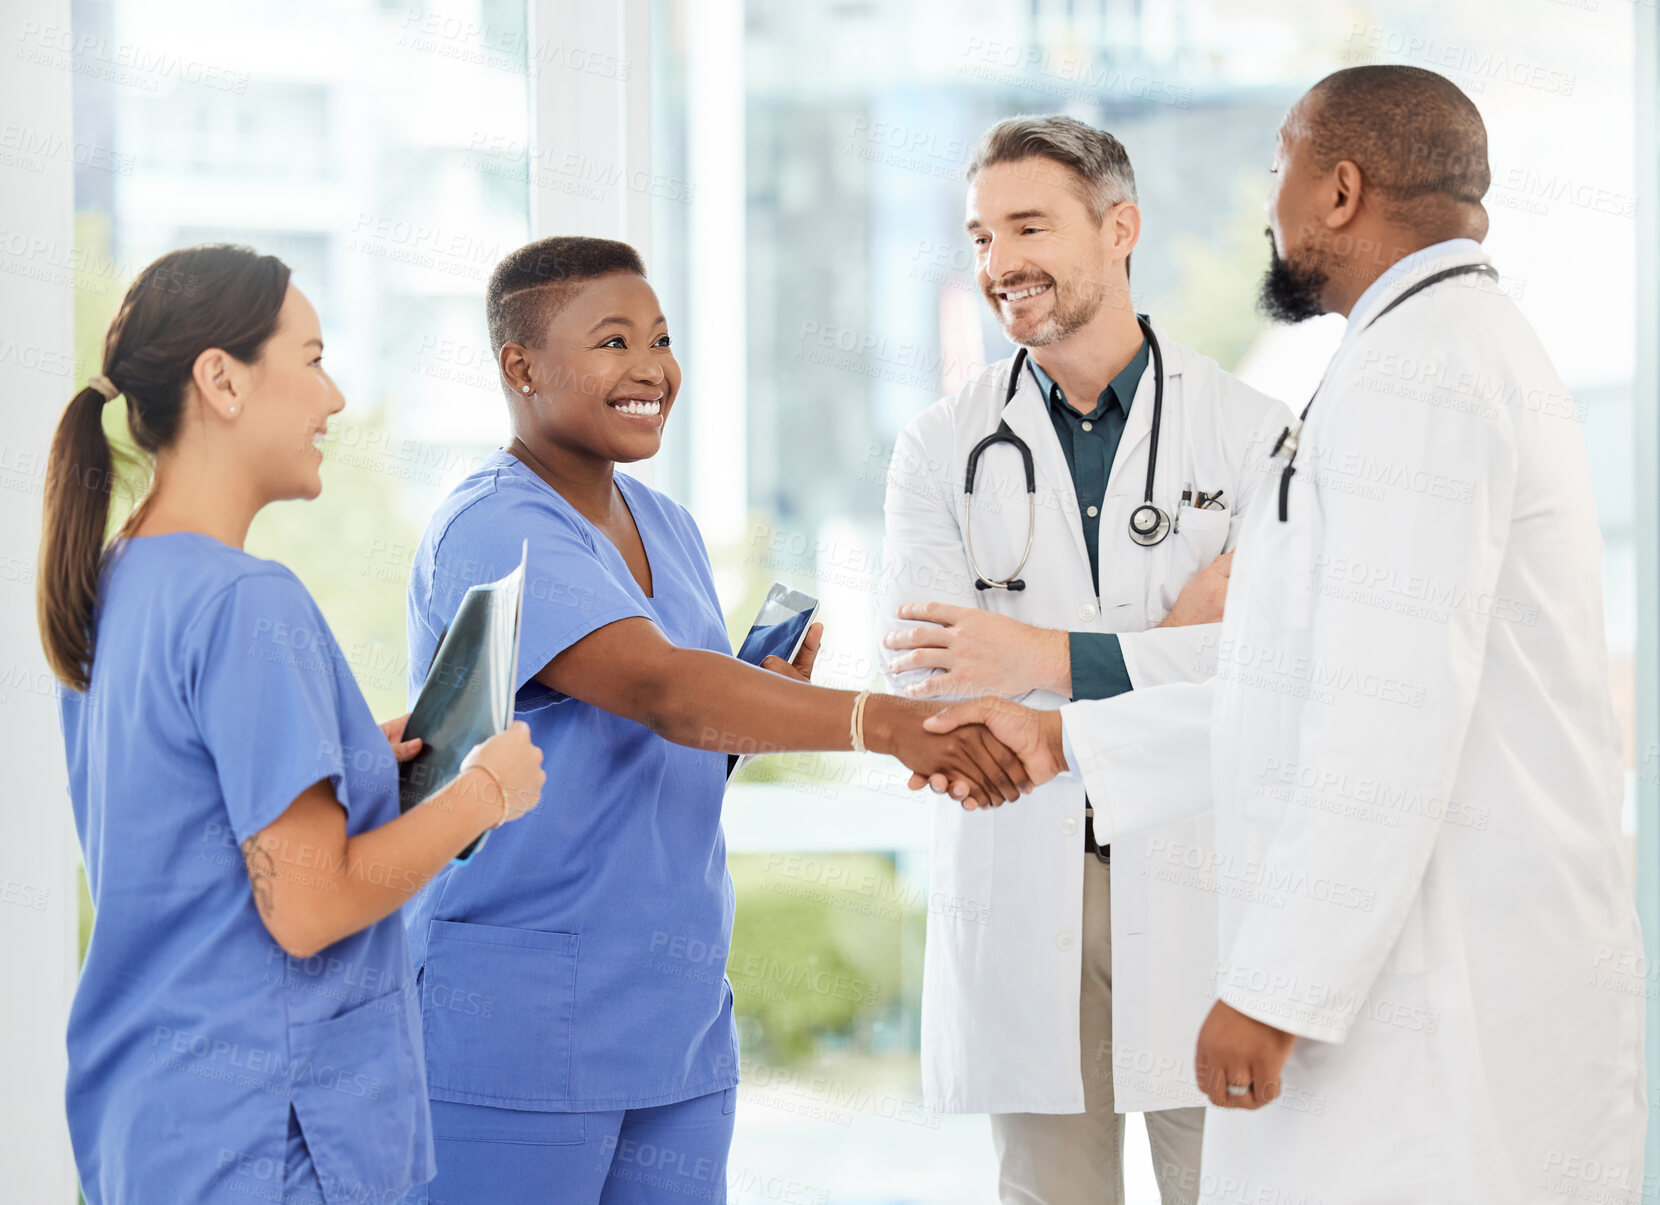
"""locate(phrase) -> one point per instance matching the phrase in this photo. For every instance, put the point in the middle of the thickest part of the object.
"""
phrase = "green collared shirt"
(1089, 442)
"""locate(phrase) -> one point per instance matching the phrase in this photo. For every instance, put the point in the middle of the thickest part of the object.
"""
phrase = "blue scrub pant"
(625, 1157)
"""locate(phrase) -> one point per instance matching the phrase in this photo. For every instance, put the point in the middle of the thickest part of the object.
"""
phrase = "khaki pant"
(1078, 1158)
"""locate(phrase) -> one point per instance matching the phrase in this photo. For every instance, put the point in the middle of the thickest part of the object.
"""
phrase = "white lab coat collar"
(1028, 417)
(1140, 420)
(1407, 271)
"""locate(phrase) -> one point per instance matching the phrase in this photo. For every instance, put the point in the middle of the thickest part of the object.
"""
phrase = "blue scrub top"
(578, 961)
(218, 694)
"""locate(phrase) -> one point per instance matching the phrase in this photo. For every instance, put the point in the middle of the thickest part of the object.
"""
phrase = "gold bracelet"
(478, 765)
(856, 725)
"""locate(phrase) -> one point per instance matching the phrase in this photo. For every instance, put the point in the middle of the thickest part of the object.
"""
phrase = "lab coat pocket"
(496, 1007)
(1197, 542)
(1285, 561)
(1298, 588)
(357, 1090)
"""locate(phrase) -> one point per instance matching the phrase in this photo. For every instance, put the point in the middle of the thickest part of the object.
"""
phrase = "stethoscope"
(1148, 523)
(1286, 444)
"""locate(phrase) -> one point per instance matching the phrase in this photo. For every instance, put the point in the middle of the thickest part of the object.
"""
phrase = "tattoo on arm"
(262, 872)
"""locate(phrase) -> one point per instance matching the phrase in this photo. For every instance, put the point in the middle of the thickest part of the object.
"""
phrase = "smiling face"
(283, 401)
(1043, 262)
(604, 378)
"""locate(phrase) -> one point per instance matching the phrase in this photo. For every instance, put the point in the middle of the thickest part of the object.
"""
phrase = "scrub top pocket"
(357, 1090)
(497, 1005)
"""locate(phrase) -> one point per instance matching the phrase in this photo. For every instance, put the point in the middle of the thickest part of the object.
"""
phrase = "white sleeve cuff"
(1288, 1014)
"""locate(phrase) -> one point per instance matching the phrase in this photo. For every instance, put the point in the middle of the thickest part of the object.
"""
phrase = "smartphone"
(779, 628)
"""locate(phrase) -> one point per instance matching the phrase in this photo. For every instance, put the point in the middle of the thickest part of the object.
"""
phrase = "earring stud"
(526, 388)
(233, 409)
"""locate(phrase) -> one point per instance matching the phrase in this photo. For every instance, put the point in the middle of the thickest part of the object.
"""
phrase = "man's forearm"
(1054, 661)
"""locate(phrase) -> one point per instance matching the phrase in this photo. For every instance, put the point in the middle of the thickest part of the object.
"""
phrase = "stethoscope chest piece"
(1148, 525)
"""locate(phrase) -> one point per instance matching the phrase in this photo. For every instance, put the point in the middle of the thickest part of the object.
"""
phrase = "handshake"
(983, 752)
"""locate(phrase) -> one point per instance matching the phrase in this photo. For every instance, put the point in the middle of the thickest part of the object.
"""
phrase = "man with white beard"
(1430, 958)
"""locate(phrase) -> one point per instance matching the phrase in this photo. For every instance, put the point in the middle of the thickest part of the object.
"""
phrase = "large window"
(859, 309)
(365, 144)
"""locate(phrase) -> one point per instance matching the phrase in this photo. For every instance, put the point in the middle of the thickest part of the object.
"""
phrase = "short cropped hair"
(1097, 158)
(1418, 140)
(535, 282)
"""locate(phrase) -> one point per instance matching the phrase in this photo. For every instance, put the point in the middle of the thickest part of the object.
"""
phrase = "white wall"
(1646, 528)
(37, 843)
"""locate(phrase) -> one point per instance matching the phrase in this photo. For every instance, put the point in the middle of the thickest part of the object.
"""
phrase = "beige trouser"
(1078, 1158)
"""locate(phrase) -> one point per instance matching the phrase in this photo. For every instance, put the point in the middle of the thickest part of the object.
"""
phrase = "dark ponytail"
(185, 303)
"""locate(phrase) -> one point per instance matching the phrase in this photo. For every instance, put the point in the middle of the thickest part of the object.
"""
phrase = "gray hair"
(1095, 156)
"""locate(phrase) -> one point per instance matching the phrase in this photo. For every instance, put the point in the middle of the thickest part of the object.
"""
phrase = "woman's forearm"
(714, 701)
(730, 706)
(314, 885)
(697, 697)
(389, 864)
(710, 700)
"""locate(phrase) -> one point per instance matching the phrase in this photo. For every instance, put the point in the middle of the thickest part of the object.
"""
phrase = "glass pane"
(856, 123)
(361, 142)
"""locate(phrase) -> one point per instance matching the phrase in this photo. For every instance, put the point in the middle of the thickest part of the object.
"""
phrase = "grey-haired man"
(1062, 990)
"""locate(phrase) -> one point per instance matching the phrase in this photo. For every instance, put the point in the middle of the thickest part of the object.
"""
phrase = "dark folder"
(468, 693)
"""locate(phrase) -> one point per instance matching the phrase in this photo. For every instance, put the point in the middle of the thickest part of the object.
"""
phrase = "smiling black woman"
(602, 1037)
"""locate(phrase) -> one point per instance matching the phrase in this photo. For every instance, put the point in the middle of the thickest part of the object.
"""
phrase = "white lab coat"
(1417, 779)
(1001, 968)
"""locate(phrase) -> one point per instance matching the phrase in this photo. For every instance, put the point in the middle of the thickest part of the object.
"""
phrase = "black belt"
(1104, 852)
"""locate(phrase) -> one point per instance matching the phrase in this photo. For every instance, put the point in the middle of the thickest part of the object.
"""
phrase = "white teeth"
(641, 408)
(1023, 294)
(317, 439)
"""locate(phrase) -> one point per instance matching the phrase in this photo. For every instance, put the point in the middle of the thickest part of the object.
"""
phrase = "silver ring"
(1239, 1089)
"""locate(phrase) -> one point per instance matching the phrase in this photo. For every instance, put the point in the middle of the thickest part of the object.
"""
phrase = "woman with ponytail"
(246, 1023)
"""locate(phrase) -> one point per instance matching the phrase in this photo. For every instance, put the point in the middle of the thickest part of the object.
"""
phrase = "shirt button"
(1088, 426)
(1069, 826)
(1093, 511)
(1087, 611)
(1063, 941)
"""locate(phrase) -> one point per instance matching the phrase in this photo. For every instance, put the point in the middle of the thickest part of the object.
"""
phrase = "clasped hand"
(1032, 736)
(981, 653)
(967, 761)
